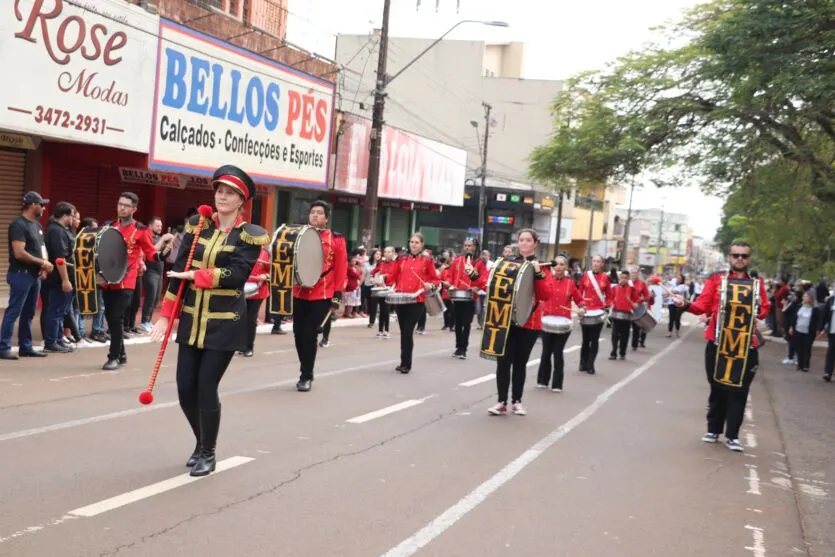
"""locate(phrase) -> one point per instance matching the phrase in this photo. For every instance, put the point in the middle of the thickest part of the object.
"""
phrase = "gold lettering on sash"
(86, 288)
(735, 333)
(498, 314)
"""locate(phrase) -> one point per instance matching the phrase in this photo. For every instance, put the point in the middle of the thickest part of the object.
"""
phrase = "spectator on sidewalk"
(58, 290)
(28, 262)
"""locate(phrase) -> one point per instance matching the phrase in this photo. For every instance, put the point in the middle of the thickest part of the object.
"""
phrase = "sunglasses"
(740, 255)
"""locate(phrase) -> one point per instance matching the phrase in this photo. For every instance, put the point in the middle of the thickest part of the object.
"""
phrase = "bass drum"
(111, 253)
(308, 256)
(524, 299)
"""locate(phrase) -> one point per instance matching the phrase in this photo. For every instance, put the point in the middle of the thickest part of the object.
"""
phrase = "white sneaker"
(555, 390)
(541, 386)
(710, 437)
(499, 409)
(380, 334)
(519, 410)
(386, 335)
(787, 361)
(734, 445)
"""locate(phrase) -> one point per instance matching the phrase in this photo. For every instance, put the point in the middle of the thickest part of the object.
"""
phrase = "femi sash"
(498, 311)
(735, 327)
(282, 270)
(86, 288)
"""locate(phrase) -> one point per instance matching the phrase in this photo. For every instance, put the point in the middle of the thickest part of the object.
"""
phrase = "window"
(267, 15)
(231, 7)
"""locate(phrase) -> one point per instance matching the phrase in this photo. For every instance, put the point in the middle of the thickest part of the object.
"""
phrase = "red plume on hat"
(232, 176)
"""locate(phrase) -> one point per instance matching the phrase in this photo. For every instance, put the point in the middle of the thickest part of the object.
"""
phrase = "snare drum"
(401, 298)
(624, 315)
(381, 291)
(460, 295)
(301, 246)
(556, 324)
(644, 319)
(593, 317)
(434, 303)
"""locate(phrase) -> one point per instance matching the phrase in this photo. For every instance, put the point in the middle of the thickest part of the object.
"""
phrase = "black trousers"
(198, 375)
(133, 305)
(639, 336)
(152, 283)
(675, 318)
(449, 315)
(552, 350)
(384, 314)
(620, 336)
(253, 308)
(408, 316)
(421, 323)
(726, 406)
(373, 306)
(829, 365)
(307, 317)
(520, 342)
(803, 344)
(590, 345)
(326, 329)
(464, 312)
(115, 305)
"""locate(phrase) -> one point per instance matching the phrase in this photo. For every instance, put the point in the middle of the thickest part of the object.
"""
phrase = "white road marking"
(153, 489)
(478, 380)
(164, 405)
(83, 376)
(37, 528)
(272, 352)
(749, 414)
(751, 440)
(753, 480)
(388, 410)
(758, 548)
(456, 512)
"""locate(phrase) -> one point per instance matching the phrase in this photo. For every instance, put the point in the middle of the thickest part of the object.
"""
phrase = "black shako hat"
(232, 176)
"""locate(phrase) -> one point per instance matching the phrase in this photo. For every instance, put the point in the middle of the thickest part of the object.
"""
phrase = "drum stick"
(147, 396)
(325, 320)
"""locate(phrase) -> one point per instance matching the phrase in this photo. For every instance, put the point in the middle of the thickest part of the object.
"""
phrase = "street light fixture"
(369, 226)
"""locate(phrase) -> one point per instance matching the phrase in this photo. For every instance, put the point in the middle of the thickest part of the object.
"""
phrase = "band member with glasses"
(726, 406)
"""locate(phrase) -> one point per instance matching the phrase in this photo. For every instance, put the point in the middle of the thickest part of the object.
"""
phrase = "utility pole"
(559, 220)
(626, 228)
(658, 248)
(591, 199)
(482, 194)
(370, 215)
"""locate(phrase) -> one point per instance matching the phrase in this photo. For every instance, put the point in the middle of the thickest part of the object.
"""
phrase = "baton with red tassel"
(147, 396)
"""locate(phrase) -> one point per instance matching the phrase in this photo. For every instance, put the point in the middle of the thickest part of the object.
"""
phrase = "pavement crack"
(294, 476)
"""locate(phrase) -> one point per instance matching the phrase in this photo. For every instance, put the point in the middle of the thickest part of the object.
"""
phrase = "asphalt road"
(374, 463)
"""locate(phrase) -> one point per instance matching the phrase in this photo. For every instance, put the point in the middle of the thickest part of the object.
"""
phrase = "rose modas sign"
(215, 102)
(78, 73)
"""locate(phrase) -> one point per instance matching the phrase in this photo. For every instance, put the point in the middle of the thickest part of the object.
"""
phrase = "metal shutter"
(12, 170)
(399, 228)
(77, 184)
(340, 220)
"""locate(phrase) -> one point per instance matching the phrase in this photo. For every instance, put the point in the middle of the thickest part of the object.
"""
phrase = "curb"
(261, 330)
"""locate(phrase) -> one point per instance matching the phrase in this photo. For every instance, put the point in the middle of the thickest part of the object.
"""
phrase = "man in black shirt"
(59, 290)
(28, 262)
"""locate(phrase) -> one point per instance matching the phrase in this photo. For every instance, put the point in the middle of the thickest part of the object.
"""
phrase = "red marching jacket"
(460, 280)
(261, 267)
(589, 294)
(623, 297)
(411, 271)
(334, 269)
(708, 303)
(642, 291)
(564, 291)
(445, 278)
(385, 268)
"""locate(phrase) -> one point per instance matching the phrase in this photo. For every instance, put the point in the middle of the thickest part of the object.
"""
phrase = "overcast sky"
(562, 38)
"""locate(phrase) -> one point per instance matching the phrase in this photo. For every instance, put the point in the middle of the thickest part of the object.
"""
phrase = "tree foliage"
(752, 85)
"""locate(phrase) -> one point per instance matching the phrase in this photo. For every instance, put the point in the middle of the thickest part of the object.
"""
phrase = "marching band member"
(466, 273)
(553, 344)
(726, 406)
(596, 290)
(117, 297)
(520, 340)
(311, 305)
(258, 285)
(414, 272)
(625, 300)
(210, 330)
(639, 336)
(384, 273)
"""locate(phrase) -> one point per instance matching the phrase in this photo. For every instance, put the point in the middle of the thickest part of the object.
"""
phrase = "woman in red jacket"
(414, 272)
(625, 299)
(384, 276)
(256, 289)
(520, 340)
(596, 289)
(553, 344)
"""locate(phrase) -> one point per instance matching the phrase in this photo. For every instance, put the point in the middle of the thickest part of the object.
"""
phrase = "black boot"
(193, 418)
(209, 425)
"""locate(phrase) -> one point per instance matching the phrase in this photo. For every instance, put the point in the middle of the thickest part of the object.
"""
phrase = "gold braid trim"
(170, 296)
(261, 240)
(189, 228)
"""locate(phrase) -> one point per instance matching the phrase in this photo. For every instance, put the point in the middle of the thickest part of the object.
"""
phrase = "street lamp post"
(369, 226)
(482, 192)
(591, 199)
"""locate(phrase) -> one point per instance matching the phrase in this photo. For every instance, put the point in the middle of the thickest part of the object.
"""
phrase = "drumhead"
(111, 255)
(594, 313)
(309, 257)
(525, 299)
(556, 320)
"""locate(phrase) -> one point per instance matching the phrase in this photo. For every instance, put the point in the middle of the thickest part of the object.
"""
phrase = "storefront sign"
(218, 104)
(79, 71)
(16, 141)
(412, 168)
(153, 178)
